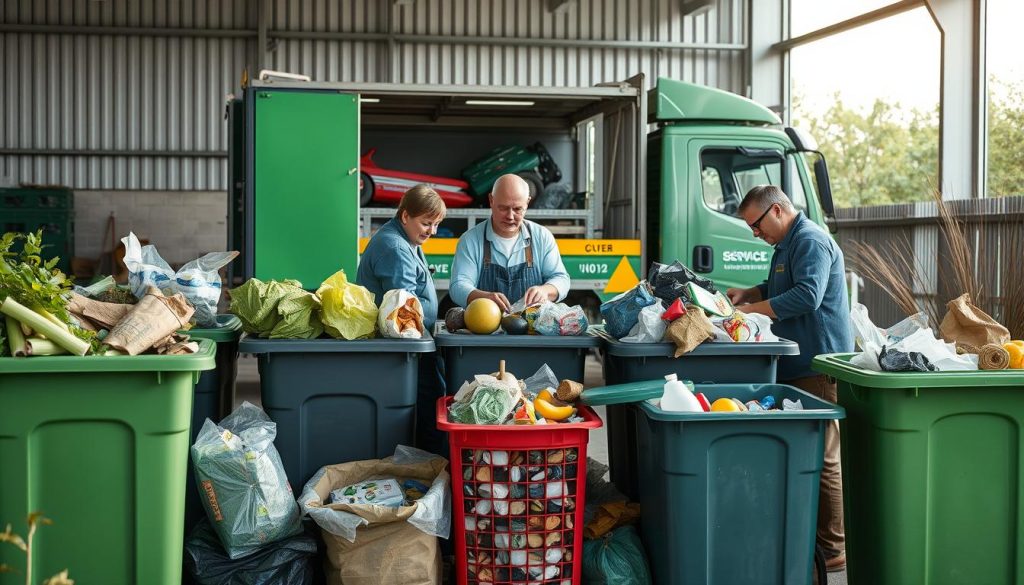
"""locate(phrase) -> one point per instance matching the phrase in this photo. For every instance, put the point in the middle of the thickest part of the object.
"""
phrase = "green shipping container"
(931, 474)
(100, 446)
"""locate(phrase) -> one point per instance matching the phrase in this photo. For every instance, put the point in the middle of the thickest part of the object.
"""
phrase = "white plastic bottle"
(678, 397)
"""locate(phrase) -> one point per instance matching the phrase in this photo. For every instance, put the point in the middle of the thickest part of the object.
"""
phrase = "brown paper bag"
(152, 320)
(105, 315)
(965, 323)
(389, 550)
(690, 330)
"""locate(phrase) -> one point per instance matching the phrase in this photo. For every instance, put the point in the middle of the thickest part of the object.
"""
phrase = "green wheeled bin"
(711, 362)
(466, 355)
(336, 401)
(932, 465)
(99, 444)
(214, 396)
(727, 497)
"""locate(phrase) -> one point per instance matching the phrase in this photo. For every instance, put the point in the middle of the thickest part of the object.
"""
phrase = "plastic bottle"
(678, 397)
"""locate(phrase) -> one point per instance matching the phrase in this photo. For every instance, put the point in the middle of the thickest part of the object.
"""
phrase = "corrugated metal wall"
(101, 95)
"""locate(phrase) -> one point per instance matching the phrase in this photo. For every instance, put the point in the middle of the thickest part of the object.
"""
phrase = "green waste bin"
(336, 401)
(466, 355)
(214, 396)
(728, 497)
(711, 362)
(99, 444)
(931, 474)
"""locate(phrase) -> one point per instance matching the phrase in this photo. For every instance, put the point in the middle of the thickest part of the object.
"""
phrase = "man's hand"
(497, 297)
(740, 296)
(537, 294)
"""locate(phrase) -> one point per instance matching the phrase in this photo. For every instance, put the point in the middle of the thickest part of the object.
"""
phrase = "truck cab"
(709, 149)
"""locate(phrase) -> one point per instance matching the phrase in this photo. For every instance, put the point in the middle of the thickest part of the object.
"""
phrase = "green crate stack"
(28, 209)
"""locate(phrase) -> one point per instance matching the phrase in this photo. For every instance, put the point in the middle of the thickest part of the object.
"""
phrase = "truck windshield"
(727, 174)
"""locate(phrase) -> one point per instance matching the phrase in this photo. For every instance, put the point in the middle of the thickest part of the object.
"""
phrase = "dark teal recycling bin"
(728, 497)
(710, 362)
(336, 401)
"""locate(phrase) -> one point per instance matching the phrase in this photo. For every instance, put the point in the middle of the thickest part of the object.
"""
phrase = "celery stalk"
(43, 326)
(15, 338)
(37, 346)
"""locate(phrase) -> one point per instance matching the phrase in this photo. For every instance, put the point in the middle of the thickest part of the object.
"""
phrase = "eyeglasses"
(756, 226)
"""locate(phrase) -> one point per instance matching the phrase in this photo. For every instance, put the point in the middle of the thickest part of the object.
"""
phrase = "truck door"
(721, 244)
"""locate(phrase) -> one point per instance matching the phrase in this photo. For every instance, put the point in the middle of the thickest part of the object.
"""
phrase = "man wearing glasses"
(805, 294)
(508, 258)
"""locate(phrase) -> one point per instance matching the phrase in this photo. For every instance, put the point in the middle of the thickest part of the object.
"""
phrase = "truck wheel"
(536, 184)
(366, 188)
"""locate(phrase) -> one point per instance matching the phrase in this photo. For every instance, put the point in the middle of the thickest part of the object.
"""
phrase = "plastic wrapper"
(541, 379)
(400, 315)
(347, 310)
(561, 319)
(379, 544)
(198, 280)
(291, 561)
(744, 327)
(276, 309)
(668, 281)
(650, 327)
(864, 331)
(623, 312)
(617, 558)
(242, 483)
(487, 406)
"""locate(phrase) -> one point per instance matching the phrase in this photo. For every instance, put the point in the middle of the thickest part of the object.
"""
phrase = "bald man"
(508, 258)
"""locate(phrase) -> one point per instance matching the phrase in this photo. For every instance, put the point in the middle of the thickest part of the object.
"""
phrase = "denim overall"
(513, 281)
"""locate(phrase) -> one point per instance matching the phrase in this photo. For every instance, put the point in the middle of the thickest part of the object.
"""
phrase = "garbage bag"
(616, 559)
(561, 319)
(371, 545)
(623, 312)
(291, 561)
(668, 281)
(400, 315)
(276, 309)
(242, 483)
(347, 310)
(650, 327)
(892, 360)
(198, 280)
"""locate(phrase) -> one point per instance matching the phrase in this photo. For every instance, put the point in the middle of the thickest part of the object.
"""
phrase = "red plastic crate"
(519, 492)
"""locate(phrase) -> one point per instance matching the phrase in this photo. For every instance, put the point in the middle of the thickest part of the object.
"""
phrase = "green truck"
(657, 175)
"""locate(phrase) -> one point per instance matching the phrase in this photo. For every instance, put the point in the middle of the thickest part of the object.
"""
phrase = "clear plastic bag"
(198, 280)
(650, 327)
(561, 319)
(242, 483)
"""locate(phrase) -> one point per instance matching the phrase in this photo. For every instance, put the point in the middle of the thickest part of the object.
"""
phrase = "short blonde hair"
(422, 200)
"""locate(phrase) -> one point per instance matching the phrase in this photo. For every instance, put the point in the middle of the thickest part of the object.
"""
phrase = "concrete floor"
(248, 388)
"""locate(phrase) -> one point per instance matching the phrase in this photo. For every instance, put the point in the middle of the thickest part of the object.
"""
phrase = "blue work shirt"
(806, 288)
(391, 261)
(470, 251)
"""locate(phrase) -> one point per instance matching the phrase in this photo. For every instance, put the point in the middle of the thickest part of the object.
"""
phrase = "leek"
(37, 346)
(15, 338)
(43, 326)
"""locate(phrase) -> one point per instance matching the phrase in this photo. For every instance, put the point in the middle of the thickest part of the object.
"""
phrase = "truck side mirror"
(825, 192)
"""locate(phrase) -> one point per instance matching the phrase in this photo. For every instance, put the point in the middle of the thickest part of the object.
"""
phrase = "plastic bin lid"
(711, 348)
(839, 367)
(113, 364)
(229, 328)
(623, 393)
(257, 345)
(814, 407)
(446, 339)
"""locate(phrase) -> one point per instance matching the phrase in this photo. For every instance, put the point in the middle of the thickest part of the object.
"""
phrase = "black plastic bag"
(668, 281)
(616, 559)
(291, 561)
(891, 360)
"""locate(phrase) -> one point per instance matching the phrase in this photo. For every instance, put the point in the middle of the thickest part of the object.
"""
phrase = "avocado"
(455, 319)
(515, 325)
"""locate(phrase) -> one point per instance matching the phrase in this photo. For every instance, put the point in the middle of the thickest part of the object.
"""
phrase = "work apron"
(514, 280)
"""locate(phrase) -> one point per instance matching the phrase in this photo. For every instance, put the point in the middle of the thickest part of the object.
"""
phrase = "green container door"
(98, 445)
(931, 474)
(306, 185)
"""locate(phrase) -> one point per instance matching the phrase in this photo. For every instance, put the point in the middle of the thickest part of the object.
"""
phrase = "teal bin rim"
(259, 345)
(839, 367)
(229, 328)
(204, 359)
(819, 409)
(446, 339)
(710, 348)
